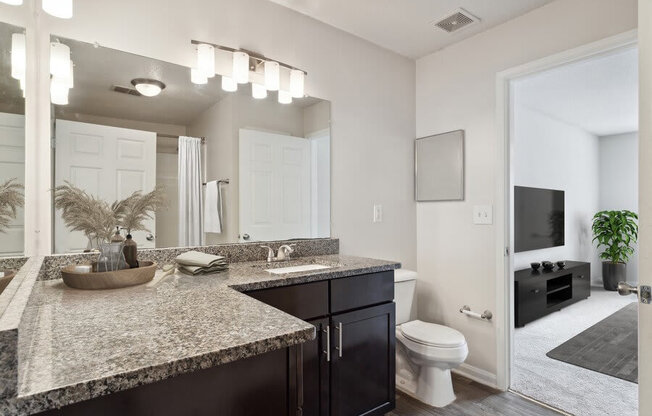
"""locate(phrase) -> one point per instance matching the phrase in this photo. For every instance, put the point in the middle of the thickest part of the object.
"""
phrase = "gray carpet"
(576, 390)
(608, 347)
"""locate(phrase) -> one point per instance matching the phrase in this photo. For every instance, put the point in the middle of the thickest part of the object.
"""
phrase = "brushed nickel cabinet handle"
(327, 331)
(535, 291)
(339, 335)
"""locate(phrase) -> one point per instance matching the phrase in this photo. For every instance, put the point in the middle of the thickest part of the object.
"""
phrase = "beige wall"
(316, 117)
(456, 89)
(371, 90)
(221, 151)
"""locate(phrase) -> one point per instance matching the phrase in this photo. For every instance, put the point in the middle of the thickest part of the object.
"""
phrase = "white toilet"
(425, 352)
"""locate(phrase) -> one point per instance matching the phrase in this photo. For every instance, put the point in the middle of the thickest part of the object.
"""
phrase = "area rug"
(608, 347)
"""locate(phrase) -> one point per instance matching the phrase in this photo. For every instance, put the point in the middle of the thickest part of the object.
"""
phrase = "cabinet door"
(363, 359)
(530, 301)
(582, 282)
(316, 372)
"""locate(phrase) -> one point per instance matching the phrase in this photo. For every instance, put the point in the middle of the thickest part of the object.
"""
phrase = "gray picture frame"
(439, 167)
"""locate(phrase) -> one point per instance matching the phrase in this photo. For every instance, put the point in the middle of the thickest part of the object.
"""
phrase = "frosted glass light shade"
(229, 84)
(258, 91)
(148, 90)
(206, 60)
(70, 79)
(59, 60)
(241, 67)
(148, 87)
(58, 91)
(297, 80)
(198, 77)
(284, 97)
(58, 8)
(18, 56)
(12, 2)
(272, 75)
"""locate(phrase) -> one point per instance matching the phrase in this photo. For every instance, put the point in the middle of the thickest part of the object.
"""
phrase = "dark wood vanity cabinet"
(349, 368)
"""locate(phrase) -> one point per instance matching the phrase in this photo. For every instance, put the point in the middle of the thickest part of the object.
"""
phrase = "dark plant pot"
(612, 273)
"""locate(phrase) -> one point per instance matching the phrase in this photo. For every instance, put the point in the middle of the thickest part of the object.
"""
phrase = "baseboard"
(477, 374)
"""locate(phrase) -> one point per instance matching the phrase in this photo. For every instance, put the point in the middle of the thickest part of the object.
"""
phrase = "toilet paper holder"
(485, 316)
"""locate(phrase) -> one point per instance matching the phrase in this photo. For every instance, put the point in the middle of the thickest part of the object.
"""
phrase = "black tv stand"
(538, 293)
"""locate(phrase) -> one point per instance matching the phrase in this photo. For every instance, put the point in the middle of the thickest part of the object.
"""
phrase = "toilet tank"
(405, 282)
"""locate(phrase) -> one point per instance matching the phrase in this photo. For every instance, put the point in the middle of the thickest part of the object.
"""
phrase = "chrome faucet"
(283, 253)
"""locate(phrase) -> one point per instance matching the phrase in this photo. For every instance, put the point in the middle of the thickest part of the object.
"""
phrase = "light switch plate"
(483, 214)
(378, 213)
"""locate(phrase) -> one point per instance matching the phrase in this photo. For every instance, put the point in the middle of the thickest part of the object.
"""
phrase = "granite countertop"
(80, 344)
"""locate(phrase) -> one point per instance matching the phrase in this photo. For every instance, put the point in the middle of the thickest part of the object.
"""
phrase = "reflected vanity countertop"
(80, 344)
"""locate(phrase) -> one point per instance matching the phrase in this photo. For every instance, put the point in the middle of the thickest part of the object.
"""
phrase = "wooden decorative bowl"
(4, 281)
(109, 280)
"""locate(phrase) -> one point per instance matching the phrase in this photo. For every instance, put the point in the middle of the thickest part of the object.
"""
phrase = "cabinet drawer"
(362, 290)
(305, 301)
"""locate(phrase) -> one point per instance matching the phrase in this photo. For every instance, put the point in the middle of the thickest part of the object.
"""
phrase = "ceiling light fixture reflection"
(284, 97)
(59, 91)
(197, 77)
(58, 8)
(258, 91)
(148, 87)
(229, 84)
(297, 80)
(59, 60)
(18, 56)
(12, 2)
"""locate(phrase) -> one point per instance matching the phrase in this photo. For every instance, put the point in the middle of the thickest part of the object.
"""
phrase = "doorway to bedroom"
(574, 167)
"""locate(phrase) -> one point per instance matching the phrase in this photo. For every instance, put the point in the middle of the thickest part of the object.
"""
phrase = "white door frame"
(504, 182)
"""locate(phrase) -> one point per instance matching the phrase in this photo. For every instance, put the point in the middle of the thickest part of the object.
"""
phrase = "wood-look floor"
(473, 399)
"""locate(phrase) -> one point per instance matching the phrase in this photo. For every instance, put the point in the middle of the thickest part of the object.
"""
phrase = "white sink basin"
(294, 269)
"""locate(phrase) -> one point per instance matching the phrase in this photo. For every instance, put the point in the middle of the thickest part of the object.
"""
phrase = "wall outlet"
(378, 213)
(483, 214)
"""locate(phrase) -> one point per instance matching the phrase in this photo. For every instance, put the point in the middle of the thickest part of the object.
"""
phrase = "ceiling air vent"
(125, 90)
(456, 21)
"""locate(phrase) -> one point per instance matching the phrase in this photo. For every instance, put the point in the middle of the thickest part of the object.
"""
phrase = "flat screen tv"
(538, 218)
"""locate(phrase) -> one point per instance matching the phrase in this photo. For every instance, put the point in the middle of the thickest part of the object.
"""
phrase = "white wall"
(371, 91)
(551, 154)
(456, 89)
(619, 181)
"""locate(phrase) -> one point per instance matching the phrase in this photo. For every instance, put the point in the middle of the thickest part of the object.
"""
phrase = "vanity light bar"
(260, 59)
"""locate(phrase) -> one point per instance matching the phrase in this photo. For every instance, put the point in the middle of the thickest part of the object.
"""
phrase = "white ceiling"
(407, 27)
(599, 95)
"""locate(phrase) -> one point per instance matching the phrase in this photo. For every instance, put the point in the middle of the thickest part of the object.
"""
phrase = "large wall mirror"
(124, 123)
(12, 139)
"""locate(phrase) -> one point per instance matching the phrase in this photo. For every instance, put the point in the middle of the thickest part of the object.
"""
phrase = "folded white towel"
(196, 258)
(213, 208)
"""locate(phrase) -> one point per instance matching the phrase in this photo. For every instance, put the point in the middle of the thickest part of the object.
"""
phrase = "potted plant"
(11, 198)
(617, 232)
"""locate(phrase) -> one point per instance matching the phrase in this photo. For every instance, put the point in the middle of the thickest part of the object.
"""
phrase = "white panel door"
(274, 186)
(12, 165)
(107, 162)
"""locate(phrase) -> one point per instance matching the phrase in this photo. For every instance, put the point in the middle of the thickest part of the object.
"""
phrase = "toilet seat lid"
(432, 334)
